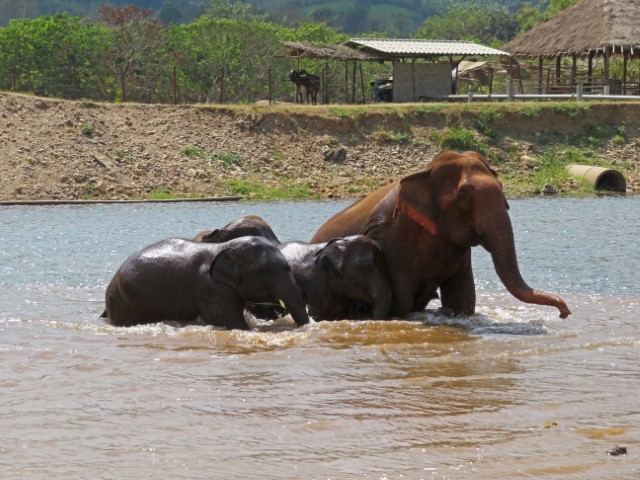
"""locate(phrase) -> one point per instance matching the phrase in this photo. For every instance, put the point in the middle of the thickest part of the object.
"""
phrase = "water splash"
(497, 321)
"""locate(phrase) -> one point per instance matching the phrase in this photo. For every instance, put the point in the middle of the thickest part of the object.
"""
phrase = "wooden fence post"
(270, 85)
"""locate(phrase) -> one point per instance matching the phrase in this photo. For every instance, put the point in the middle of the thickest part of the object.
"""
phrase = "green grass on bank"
(256, 190)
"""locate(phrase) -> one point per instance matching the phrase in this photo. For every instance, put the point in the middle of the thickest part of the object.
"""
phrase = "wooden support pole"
(174, 80)
(540, 72)
(221, 99)
(624, 72)
(270, 84)
(325, 90)
(606, 66)
(353, 84)
(346, 81)
(364, 100)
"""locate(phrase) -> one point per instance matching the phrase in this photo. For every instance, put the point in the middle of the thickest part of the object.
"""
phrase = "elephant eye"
(464, 199)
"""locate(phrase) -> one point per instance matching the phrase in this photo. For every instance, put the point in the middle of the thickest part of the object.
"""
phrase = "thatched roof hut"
(587, 29)
(336, 52)
(589, 26)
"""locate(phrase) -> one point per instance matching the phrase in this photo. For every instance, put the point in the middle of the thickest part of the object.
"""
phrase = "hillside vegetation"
(396, 17)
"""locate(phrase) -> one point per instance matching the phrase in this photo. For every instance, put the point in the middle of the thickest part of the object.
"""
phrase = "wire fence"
(341, 82)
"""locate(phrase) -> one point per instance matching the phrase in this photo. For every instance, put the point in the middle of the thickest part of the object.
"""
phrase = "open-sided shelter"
(586, 30)
(421, 69)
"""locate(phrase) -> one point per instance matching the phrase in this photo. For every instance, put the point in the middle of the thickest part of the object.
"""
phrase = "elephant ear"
(224, 270)
(331, 256)
(414, 199)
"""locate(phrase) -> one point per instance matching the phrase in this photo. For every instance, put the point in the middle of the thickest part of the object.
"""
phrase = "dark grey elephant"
(340, 279)
(251, 225)
(178, 279)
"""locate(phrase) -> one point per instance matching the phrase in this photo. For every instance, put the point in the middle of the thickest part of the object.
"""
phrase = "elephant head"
(459, 201)
(251, 225)
(255, 270)
(355, 270)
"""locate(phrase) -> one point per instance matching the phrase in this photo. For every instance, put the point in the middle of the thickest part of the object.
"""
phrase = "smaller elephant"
(343, 278)
(182, 280)
(251, 225)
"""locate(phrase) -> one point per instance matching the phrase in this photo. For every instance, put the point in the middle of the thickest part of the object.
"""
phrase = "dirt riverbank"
(71, 150)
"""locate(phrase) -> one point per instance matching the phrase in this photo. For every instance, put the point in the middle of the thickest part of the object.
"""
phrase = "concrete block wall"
(414, 80)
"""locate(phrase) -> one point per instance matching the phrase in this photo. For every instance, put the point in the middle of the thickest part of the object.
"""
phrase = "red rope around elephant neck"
(416, 216)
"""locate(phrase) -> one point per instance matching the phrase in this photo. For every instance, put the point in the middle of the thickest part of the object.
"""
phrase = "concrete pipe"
(600, 178)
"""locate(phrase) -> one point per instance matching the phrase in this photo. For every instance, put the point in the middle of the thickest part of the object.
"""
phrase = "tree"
(528, 16)
(232, 10)
(225, 60)
(556, 5)
(470, 23)
(50, 55)
(137, 57)
(169, 13)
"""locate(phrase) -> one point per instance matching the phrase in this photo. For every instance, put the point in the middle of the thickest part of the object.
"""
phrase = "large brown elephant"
(426, 224)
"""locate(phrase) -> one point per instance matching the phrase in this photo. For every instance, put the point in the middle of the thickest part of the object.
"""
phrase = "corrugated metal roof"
(401, 47)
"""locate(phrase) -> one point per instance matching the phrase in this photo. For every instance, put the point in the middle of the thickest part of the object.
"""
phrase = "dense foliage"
(129, 55)
(230, 53)
(396, 17)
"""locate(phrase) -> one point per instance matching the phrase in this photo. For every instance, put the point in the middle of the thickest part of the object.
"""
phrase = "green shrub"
(228, 159)
(620, 138)
(384, 135)
(194, 152)
(424, 111)
(339, 112)
(87, 129)
(485, 121)
(161, 194)
(531, 111)
(458, 138)
(571, 110)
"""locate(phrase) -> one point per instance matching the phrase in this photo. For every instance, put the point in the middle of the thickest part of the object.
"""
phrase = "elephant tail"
(104, 314)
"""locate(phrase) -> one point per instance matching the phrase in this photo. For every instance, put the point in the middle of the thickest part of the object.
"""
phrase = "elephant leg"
(225, 312)
(236, 321)
(458, 293)
(403, 297)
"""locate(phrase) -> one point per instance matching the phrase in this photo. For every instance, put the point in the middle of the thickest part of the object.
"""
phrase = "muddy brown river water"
(511, 392)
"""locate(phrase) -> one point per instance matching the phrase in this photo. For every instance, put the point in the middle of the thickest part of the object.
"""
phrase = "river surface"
(511, 392)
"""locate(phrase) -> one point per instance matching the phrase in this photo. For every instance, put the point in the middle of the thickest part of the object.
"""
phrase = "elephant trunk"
(294, 303)
(498, 240)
